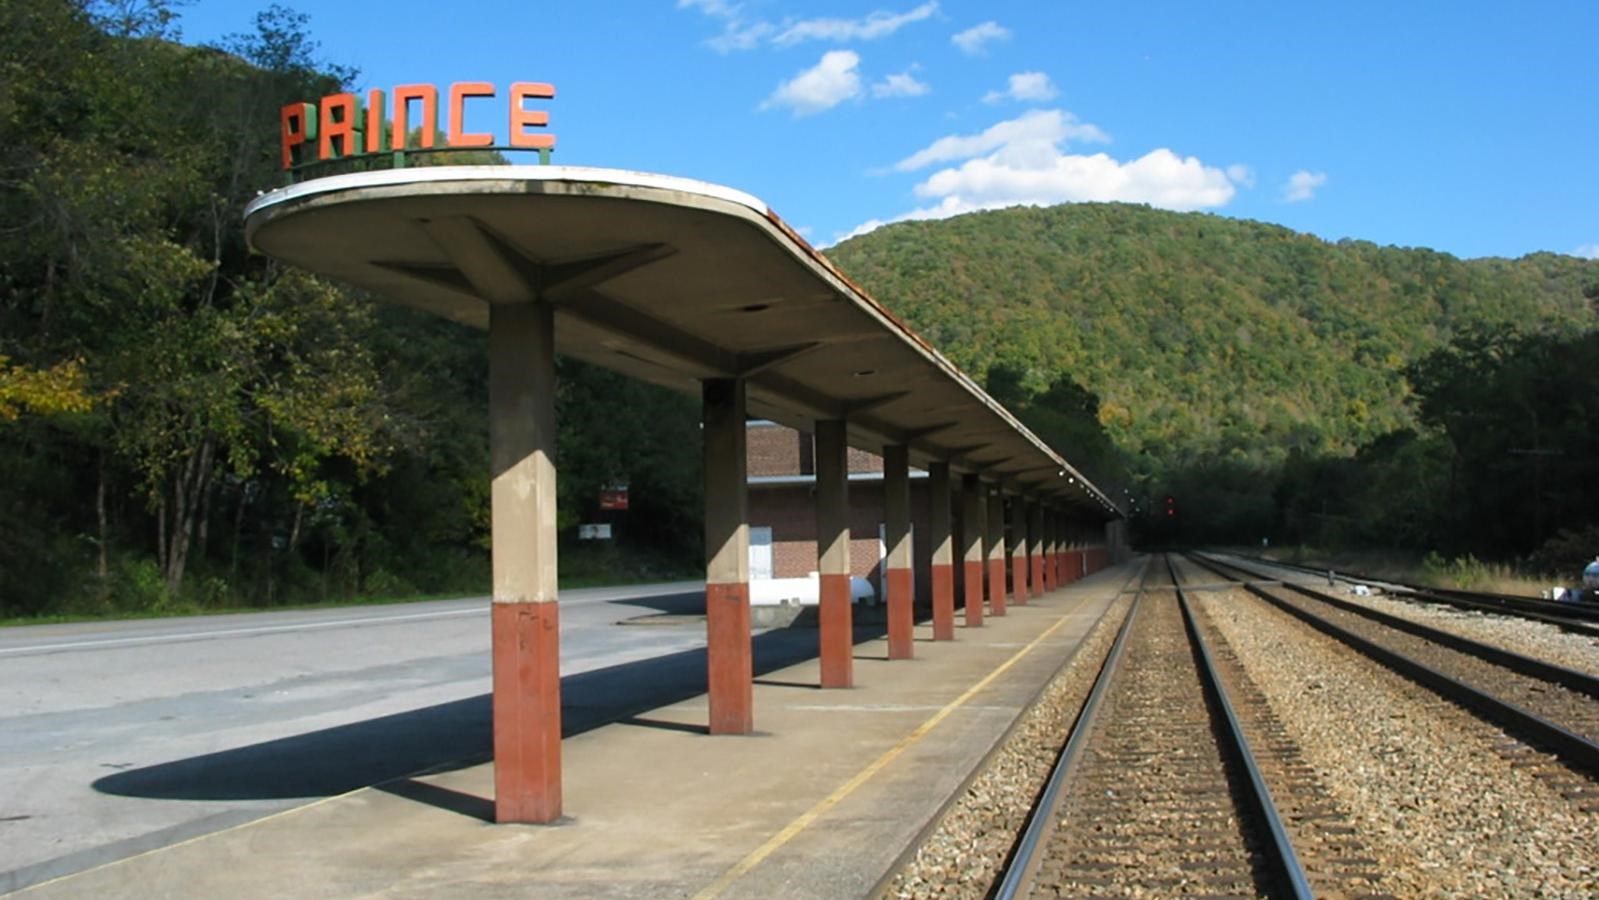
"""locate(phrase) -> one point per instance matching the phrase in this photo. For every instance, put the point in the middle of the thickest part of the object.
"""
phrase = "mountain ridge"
(1203, 334)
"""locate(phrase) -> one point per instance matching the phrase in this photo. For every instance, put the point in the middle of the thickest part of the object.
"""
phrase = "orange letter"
(377, 137)
(403, 95)
(339, 128)
(459, 91)
(298, 125)
(522, 118)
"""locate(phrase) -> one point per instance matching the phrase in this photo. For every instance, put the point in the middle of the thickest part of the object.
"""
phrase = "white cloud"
(1024, 86)
(823, 86)
(1587, 251)
(738, 36)
(974, 40)
(739, 33)
(902, 84)
(718, 8)
(866, 227)
(1241, 175)
(1021, 162)
(875, 25)
(1159, 178)
(1035, 133)
(1302, 185)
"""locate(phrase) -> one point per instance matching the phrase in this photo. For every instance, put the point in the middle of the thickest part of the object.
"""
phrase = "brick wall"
(772, 449)
(864, 461)
(790, 511)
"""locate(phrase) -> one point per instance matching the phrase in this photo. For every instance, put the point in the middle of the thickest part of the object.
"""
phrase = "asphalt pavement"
(119, 737)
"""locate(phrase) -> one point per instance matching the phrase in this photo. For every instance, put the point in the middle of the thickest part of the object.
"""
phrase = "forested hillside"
(1273, 384)
(183, 423)
(1205, 336)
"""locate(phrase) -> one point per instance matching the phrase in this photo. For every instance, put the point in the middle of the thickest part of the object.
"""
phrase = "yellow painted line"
(759, 854)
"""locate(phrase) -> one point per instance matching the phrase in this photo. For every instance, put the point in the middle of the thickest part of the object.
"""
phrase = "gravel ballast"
(1539, 640)
(965, 851)
(1450, 805)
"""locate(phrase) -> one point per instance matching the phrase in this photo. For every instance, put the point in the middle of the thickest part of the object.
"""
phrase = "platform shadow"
(685, 603)
(448, 799)
(665, 724)
(803, 685)
(439, 738)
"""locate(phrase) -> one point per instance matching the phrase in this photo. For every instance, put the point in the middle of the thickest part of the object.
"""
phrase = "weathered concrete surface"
(655, 806)
(120, 736)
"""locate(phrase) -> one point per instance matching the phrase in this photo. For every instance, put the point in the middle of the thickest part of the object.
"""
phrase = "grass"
(567, 583)
(1465, 573)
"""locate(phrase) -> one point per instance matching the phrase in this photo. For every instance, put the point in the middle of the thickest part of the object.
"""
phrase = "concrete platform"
(819, 803)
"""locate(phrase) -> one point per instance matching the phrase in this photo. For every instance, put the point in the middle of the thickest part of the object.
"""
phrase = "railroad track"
(1571, 617)
(1548, 706)
(1156, 791)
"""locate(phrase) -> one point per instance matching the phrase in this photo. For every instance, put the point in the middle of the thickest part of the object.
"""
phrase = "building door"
(760, 552)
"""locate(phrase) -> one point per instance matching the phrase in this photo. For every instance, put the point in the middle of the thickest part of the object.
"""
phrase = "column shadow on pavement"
(385, 751)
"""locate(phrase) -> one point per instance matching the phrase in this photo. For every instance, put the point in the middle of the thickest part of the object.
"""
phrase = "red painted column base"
(943, 577)
(527, 712)
(1018, 580)
(996, 586)
(901, 618)
(837, 632)
(973, 599)
(729, 668)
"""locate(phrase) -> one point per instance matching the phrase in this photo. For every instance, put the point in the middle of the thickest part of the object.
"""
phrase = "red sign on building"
(614, 497)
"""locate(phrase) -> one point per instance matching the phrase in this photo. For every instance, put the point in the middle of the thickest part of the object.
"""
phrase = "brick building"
(782, 510)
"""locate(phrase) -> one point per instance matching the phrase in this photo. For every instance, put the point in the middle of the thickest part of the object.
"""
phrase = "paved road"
(117, 737)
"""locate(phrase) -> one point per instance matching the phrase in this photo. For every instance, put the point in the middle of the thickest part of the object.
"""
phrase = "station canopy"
(668, 280)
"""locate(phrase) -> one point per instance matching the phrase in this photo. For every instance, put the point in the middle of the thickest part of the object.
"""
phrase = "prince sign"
(341, 126)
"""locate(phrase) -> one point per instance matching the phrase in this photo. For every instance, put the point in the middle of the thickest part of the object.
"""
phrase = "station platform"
(820, 802)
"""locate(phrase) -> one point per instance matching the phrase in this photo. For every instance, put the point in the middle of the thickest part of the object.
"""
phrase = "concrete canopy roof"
(667, 280)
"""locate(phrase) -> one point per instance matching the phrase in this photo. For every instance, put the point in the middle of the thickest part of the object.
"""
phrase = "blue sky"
(1468, 127)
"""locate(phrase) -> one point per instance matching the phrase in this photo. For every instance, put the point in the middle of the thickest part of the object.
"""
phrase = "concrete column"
(974, 517)
(995, 550)
(1035, 545)
(943, 572)
(1076, 553)
(897, 535)
(1018, 549)
(727, 559)
(525, 620)
(1045, 545)
(1055, 567)
(832, 546)
(1070, 570)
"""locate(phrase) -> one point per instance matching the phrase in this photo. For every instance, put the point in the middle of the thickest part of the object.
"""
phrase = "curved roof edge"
(626, 178)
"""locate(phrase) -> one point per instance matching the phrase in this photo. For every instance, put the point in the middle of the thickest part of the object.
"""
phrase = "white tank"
(1590, 576)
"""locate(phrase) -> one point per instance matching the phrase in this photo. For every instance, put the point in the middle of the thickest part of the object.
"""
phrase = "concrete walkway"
(819, 803)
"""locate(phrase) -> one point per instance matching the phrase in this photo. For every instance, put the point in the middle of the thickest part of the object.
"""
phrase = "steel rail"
(1515, 662)
(880, 890)
(1573, 748)
(1024, 859)
(1285, 862)
(1562, 615)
